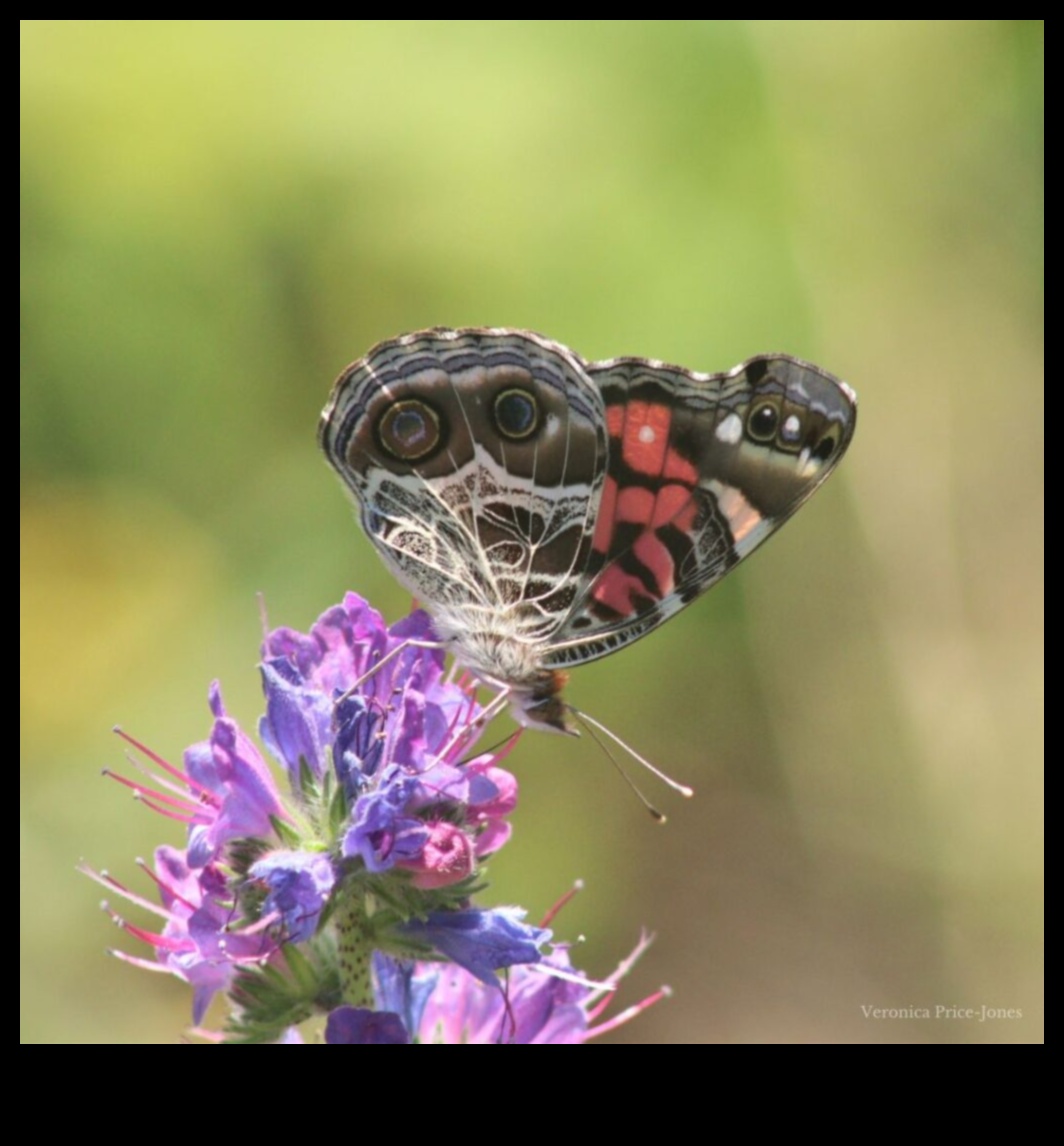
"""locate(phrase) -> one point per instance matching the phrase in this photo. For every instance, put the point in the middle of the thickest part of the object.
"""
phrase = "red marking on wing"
(615, 589)
(623, 592)
(614, 421)
(670, 504)
(646, 437)
(635, 504)
(641, 431)
(658, 561)
(678, 468)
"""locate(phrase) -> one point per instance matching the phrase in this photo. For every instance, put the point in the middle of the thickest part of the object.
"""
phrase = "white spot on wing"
(807, 465)
(646, 435)
(730, 430)
(743, 519)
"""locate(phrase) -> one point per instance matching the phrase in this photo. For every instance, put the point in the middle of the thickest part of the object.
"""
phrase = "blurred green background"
(217, 217)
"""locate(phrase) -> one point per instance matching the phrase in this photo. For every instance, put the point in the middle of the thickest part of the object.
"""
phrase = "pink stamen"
(112, 884)
(154, 798)
(565, 899)
(179, 790)
(137, 961)
(187, 819)
(620, 972)
(263, 923)
(152, 938)
(626, 964)
(167, 888)
(629, 1014)
(165, 765)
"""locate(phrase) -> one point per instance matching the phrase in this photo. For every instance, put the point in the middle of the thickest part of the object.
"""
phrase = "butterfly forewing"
(701, 469)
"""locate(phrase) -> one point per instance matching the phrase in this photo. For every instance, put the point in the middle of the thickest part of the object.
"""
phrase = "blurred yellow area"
(218, 216)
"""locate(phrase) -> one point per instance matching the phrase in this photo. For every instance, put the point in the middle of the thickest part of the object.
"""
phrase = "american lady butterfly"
(547, 511)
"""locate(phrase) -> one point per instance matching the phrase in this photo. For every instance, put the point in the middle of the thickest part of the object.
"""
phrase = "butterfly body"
(547, 510)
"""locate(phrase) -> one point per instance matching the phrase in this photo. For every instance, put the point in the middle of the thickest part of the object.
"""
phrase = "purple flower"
(231, 769)
(447, 856)
(381, 832)
(481, 941)
(277, 898)
(546, 1002)
(364, 1027)
(198, 942)
(299, 885)
(297, 726)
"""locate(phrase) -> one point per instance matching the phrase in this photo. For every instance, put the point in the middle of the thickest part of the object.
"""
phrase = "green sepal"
(287, 834)
(268, 998)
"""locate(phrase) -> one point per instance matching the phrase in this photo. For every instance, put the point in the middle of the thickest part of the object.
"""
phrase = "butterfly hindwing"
(477, 458)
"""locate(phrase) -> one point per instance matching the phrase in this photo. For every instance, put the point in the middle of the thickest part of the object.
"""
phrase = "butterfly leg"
(492, 709)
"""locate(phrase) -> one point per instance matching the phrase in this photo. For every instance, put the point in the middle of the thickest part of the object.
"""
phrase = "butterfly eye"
(516, 414)
(409, 430)
(762, 423)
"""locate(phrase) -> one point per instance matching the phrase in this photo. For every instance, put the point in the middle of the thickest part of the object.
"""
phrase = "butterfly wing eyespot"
(410, 430)
(762, 422)
(823, 450)
(516, 413)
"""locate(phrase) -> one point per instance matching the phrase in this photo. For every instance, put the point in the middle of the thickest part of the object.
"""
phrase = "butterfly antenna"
(590, 723)
(655, 813)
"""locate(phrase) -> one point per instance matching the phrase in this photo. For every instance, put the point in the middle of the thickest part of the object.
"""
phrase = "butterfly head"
(540, 705)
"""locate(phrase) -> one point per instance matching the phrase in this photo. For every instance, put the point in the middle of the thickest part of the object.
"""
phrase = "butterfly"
(546, 510)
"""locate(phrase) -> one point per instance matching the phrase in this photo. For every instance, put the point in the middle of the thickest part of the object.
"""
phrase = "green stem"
(354, 947)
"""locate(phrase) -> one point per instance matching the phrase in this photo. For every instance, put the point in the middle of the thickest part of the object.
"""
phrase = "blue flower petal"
(481, 941)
